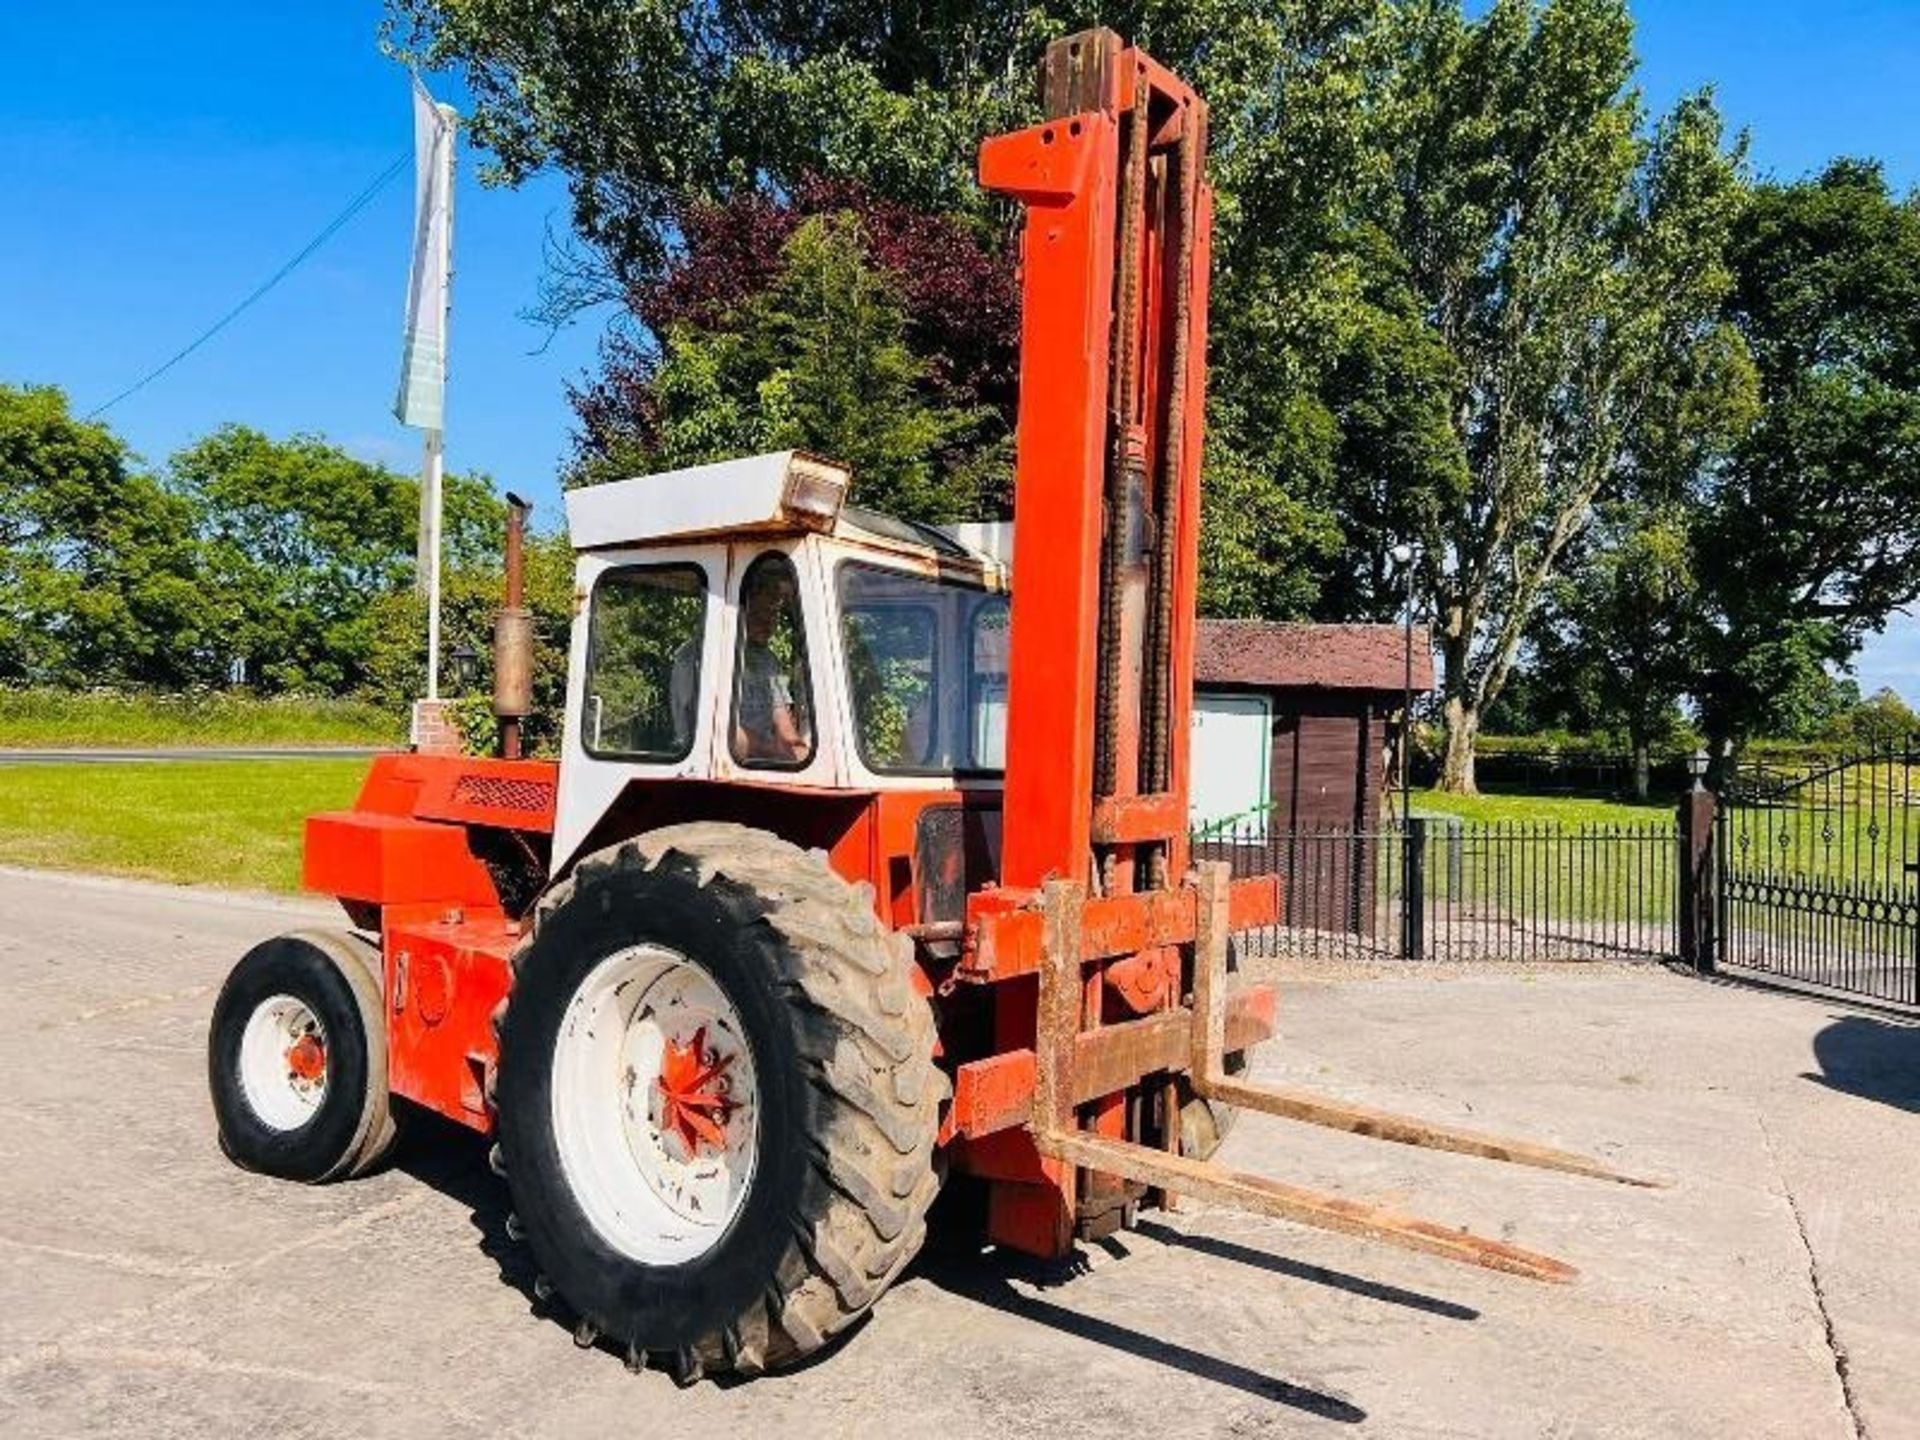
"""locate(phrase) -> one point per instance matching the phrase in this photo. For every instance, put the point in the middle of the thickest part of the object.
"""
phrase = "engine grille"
(493, 792)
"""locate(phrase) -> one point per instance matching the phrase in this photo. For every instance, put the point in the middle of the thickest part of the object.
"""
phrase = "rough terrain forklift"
(864, 864)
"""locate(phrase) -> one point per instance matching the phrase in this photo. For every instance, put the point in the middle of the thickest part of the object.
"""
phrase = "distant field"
(229, 823)
(52, 719)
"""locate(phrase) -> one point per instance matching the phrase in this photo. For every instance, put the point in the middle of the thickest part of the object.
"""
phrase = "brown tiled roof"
(1322, 657)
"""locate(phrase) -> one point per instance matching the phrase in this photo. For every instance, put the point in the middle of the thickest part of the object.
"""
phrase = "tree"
(299, 538)
(661, 116)
(1634, 616)
(99, 580)
(943, 303)
(1811, 537)
(1265, 549)
(818, 360)
(471, 591)
(1883, 721)
(1574, 268)
(1461, 295)
(646, 107)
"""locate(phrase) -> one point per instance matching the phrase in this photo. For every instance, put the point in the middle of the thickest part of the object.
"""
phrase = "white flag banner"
(423, 371)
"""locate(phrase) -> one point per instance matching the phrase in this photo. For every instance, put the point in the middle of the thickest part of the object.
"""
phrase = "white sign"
(1232, 742)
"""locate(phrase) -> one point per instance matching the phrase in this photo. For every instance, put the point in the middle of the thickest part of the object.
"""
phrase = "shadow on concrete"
(453, 1160)
(1871, 1058)
(1301, 1270)
(985, 1277)
(1762, 982)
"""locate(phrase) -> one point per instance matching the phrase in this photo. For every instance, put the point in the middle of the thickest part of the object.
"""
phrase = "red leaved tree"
(955, 290)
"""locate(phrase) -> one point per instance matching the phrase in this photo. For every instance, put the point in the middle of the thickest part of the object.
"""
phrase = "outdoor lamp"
(1697, 765)
(466, 665)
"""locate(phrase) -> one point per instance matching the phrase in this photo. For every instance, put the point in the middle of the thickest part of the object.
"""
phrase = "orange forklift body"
(1113, 267)
(1076, 969)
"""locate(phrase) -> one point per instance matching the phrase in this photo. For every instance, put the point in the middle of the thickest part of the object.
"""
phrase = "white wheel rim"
(277, 1071)
(627, 1033)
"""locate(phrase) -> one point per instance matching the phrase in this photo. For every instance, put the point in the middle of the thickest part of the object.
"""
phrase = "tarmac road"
(151, 1289)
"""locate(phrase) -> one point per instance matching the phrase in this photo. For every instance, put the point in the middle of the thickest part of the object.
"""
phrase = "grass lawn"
(230, 823)
(1540, 809)
(1562, 856)
(55, 719)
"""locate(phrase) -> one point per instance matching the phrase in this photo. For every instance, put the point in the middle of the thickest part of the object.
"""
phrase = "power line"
(354, 207)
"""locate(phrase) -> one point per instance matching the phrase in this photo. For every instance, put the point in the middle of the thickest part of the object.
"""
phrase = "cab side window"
(643, 662)
(772, 692)
(988, 683)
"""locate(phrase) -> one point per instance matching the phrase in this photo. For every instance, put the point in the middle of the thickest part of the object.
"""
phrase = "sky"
(159, 161)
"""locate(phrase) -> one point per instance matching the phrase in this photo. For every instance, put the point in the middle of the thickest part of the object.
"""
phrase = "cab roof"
(782, 493)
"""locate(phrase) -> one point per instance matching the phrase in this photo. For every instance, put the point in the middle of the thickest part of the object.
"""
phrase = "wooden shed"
(1291, 727)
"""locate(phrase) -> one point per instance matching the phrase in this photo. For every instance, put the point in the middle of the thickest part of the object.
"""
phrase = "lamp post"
(1697, 766)
(1403, 557)
(1411, 881)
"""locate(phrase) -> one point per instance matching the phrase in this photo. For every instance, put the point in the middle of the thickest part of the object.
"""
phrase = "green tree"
(1462, 295)
(1882, 721)
(1634, 616)
(299, 539)
(1265, 549)
(1810, 539)
(655, 112)
(99, 580)
(299, 536)
(1573, 266)
(818, 361)
(1329, 432)
(471, 592)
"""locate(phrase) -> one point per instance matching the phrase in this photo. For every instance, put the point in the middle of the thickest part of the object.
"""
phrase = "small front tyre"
(297, 1058)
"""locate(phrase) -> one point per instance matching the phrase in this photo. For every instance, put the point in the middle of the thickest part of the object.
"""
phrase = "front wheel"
(716, 1099)
(297, 1058)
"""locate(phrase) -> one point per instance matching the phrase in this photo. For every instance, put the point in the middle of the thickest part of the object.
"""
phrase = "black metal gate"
(1819, 874)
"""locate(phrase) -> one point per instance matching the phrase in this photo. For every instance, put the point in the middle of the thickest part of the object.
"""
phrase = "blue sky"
(157, 161)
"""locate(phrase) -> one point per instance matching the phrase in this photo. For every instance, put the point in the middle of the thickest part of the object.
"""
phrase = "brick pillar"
(1698, 878)
(434, 732)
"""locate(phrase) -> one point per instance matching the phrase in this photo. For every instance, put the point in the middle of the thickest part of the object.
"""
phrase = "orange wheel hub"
(693, 1094)
(307, 1059)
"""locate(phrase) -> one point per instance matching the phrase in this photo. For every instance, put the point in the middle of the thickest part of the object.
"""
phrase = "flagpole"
(421, 400)
(433, 445)
(432, 461)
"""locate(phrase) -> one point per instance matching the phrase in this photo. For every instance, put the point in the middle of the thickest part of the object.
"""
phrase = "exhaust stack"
(513, 638)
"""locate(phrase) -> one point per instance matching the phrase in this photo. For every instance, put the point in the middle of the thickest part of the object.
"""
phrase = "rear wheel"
(297, 1058)
(716, 1099)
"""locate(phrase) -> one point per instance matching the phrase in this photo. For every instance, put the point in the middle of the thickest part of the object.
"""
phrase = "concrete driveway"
(154, 1290)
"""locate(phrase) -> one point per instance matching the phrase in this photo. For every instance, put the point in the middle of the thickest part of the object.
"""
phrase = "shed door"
(1232, 748)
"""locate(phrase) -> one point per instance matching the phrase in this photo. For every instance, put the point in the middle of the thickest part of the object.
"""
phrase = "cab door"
(777, 715)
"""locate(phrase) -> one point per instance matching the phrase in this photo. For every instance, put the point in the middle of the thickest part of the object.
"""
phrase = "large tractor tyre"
(297, 1058)
(1205, 1124)
(716, 1100)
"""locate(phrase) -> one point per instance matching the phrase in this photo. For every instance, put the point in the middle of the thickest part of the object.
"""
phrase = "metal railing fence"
(1440, 888)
